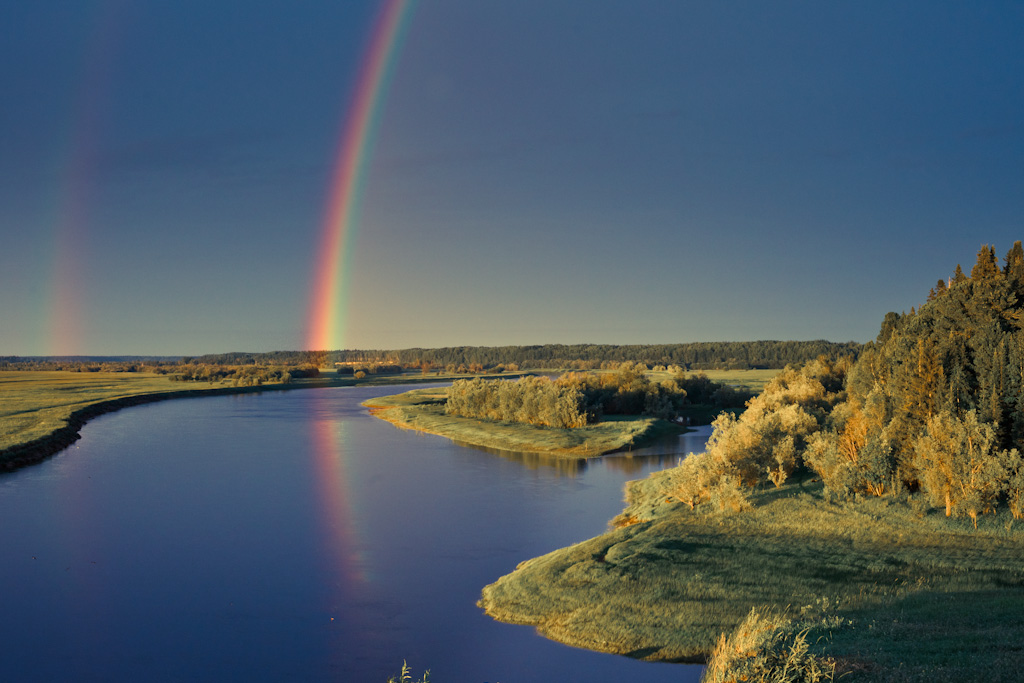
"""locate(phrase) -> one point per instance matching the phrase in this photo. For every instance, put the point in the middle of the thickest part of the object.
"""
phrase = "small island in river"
(577, 415)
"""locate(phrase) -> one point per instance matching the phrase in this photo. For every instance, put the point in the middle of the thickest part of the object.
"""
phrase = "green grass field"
(753, 380)
(894, 591)
(36, 403)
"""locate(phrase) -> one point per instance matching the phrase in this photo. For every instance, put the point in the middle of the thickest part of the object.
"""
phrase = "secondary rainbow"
(329, 303)
(63, 330)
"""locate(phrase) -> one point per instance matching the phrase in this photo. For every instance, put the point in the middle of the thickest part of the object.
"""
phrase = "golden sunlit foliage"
(935, 404)
(576, 399)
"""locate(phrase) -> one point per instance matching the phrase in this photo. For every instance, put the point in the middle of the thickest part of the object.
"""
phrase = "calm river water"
(289, 536)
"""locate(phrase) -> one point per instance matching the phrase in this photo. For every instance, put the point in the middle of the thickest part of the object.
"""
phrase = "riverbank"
(894, 591)
(424, 410)
(43, 412)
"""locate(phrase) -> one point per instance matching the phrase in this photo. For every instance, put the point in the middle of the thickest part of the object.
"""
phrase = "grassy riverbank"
(42, 412)
(894, 590)
(36, 403)
(423, 410)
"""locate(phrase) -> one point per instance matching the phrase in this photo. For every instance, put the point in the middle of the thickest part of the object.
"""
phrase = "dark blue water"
(289, 537)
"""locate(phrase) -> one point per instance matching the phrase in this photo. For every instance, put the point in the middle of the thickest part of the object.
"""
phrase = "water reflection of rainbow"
(336, 500)
(326, 327)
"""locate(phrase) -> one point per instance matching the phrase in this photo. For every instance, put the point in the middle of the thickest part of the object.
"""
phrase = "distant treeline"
(694, 356)
(578, 399)
(469, 359)
(81, 364)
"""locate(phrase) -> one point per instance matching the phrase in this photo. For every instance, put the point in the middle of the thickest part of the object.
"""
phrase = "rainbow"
(327, 317)
(64, 327)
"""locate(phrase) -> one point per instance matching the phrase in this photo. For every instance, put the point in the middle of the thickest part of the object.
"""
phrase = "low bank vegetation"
(244, 376)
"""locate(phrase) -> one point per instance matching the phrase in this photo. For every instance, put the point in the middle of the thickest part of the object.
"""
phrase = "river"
(289, 536)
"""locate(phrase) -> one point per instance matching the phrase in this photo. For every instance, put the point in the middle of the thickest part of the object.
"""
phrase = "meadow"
(753, 380)
(890, 588)
(37, 403)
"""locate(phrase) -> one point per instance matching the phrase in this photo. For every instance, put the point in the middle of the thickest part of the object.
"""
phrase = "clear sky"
(543, 171)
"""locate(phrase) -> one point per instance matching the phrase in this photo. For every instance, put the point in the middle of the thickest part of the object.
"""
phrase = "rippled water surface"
(289, 536)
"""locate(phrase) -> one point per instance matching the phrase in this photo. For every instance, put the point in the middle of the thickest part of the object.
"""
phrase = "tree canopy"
(935, 404)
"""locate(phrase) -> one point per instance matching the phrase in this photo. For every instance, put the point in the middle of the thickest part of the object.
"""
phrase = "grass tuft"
(405, 676)
(765, 647)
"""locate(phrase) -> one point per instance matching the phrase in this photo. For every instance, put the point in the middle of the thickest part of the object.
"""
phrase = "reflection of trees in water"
(637, 464)
(566, 467)
(629, 463)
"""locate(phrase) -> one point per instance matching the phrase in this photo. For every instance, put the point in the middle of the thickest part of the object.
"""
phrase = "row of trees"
(364, 369)
(81, 364)
(695, 356)
(577, 399)
(246, 375)
(935, 404)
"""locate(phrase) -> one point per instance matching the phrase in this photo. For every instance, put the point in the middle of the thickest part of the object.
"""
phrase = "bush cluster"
(577, 399)
(767, 441)
(530, 400)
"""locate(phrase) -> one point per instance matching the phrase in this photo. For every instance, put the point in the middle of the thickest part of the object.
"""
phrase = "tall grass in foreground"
(406, 675)
(766, 648)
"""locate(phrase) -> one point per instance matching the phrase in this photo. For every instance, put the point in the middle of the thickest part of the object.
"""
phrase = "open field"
(754, 380)
(36, 403)
(749, 379)
(423, 410)
(894, 590)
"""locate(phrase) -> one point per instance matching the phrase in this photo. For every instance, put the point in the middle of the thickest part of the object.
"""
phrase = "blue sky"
(556, 171)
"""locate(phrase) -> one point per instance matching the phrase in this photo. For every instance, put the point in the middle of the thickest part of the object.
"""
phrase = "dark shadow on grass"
(973, 635)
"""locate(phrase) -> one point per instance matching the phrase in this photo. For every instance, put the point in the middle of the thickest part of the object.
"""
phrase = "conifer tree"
(987, 266)
(1015, 260)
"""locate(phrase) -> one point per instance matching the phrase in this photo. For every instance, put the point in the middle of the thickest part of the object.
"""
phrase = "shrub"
(958, 466)
(764, 647)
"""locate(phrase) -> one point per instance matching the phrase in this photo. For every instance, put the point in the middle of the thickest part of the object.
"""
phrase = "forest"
(274, 365)
(934, 405)
(693, 356)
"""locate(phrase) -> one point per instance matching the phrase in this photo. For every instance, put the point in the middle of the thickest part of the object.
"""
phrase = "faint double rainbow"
(63, 325)
(329, 301)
